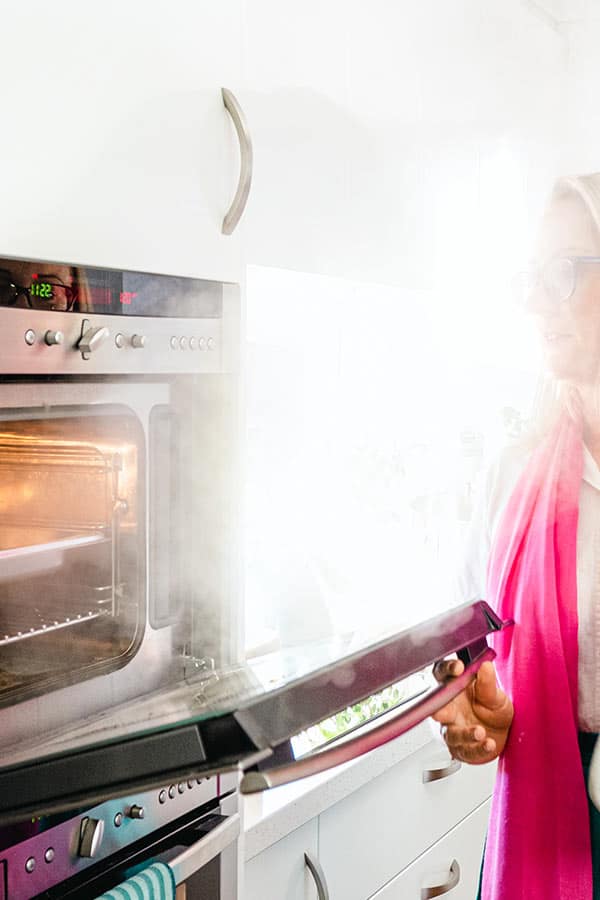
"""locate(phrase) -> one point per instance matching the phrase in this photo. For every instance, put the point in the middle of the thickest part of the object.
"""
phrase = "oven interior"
(71, 570)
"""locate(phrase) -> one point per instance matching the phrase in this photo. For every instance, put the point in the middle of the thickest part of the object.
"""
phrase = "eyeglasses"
(558, 278)
(45, 292)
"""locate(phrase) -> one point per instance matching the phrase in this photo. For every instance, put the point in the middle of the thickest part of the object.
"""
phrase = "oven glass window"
(69, 547)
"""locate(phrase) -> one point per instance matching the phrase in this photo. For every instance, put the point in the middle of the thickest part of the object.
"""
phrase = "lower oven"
(192, 826)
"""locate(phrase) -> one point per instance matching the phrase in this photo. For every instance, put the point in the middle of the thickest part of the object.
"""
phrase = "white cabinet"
(117, 149)
(281, 872)
(385, 142)
(389, 822)
(450, 868)
(303, 135)
(399, 833)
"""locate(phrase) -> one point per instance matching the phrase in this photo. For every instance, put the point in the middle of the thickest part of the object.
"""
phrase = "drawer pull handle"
(439, 889)
(314, 867)
(238, 204)
(403, 721)
(443, 772)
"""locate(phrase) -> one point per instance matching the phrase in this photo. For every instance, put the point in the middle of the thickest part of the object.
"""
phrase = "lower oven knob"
(90, 837)
(138, 341)
(136, 812)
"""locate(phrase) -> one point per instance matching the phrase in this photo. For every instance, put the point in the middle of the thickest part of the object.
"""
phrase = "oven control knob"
(54, 337)
(91, 338)
(138, 341)
(90, 836)
(136, 812)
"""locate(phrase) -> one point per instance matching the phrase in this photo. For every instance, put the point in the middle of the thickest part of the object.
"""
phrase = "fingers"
(486, 690)
(471, 745)
(447, 715)
(447, 668)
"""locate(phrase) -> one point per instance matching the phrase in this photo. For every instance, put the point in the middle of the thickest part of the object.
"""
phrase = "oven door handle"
(206, 848)
(346, 750)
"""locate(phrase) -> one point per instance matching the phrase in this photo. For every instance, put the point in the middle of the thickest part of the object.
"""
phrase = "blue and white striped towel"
(157, 882)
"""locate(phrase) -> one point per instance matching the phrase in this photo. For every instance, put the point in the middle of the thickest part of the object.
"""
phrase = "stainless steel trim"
(205, 849)
(315, 869)
(238, 204)
(441, 772)
(346, 750)
(439, 889)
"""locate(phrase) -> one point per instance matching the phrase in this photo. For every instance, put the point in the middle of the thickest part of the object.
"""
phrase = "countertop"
(270, 816)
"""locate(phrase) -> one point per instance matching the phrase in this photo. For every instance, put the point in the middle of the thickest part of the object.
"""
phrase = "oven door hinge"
(193, 666)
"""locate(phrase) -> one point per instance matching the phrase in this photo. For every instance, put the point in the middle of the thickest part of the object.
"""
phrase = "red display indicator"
(126, 297)
(100, 296)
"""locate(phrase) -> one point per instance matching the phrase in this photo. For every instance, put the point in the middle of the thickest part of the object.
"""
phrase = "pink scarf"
(538, 845)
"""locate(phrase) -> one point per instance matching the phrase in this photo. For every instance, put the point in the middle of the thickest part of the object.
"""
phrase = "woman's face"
(569, 329)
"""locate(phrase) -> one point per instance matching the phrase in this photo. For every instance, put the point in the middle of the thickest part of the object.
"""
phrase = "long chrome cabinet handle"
(344, 751)
(205, 849)
(443, 772)
(439, 889)
(238, 204)
(318, 874)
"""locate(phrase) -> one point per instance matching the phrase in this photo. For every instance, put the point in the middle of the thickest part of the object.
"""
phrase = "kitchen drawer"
(391, 821)
(280, 871)
(454, 863)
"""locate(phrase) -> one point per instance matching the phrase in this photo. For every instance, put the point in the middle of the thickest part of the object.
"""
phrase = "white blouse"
(493, 497)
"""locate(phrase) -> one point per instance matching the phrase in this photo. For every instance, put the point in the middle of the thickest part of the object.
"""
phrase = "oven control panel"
(61, 851)
(33, 342)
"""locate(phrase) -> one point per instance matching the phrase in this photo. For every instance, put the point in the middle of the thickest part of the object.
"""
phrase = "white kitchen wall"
(582, 122)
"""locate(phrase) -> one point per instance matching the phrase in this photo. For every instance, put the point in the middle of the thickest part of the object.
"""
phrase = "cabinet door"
(294, 92)
(117, 148)
(280, 871)
(375, 125)
(451, 866)
(410, 813)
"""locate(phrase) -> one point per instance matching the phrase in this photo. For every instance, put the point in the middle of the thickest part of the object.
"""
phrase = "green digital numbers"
(41, 289)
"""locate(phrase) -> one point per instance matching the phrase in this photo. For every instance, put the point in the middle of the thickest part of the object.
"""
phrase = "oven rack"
(26, 551)
(22, 451)
(22, 629)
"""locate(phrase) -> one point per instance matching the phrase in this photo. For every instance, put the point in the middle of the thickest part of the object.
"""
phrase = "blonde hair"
(552, 396)
(586, 188)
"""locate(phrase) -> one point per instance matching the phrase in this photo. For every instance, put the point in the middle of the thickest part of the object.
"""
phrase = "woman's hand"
(475, 724)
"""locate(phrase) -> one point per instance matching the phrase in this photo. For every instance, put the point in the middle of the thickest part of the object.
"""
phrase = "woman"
(537, 560)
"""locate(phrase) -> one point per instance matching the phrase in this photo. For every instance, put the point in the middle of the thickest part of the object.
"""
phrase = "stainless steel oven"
(128, 709)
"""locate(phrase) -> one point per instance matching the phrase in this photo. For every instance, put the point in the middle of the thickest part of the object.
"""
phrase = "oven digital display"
(84, 289)
(43, 289)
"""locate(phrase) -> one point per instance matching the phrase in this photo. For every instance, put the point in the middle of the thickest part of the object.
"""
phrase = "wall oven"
(127, 706)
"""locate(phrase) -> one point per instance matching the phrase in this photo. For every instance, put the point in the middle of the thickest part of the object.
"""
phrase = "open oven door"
(219, 721)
